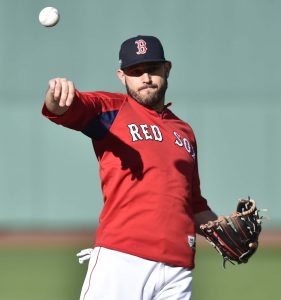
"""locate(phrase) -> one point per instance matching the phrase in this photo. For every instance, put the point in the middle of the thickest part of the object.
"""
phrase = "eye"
(139, 70)
(152, 69)
(134, 72)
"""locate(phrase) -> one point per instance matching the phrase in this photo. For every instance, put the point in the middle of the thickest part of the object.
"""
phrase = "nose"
(146, 78)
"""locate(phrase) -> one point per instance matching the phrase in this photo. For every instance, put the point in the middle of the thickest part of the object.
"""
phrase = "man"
(145, 241)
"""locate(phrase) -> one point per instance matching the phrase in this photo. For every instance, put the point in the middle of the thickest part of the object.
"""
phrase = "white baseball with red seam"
(49, 16)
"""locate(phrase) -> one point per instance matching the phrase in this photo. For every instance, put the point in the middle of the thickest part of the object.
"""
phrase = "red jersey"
(149, 176)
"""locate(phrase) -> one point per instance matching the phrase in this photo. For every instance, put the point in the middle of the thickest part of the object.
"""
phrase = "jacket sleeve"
(199, 202)
(86, 107)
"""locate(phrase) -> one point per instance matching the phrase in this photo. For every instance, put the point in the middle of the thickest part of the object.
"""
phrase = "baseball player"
(146, 238)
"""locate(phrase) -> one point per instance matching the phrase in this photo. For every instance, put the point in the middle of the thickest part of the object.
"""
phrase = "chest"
(152, 135)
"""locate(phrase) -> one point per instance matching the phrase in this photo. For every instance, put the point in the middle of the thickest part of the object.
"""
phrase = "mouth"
(148, 86)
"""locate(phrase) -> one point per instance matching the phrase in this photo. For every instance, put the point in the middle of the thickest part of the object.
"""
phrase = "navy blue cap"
(140, 49)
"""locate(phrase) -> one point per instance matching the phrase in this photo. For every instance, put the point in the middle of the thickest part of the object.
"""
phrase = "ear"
(168, 67)
(121, 76)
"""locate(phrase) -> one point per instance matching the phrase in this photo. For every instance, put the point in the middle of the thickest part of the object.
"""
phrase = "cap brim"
(134, 63)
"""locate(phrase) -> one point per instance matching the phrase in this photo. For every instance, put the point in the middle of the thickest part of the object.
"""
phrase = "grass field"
(36, 274)
(258, 279)
(55, 274)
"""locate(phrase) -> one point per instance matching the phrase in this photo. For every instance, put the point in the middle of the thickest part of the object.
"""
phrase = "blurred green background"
(53, 274)
(225, 82)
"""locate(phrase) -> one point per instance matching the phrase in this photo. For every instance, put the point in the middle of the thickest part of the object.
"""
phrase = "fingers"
(71, 93)
(62, 91)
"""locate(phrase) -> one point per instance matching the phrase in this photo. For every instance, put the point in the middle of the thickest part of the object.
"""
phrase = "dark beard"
(151, 100)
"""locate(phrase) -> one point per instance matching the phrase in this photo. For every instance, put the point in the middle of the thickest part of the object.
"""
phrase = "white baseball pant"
(114, 275)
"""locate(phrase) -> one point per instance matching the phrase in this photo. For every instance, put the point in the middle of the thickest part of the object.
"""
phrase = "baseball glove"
(235, 237)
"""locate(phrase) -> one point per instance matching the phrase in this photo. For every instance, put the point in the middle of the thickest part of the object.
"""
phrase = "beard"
(150, 95)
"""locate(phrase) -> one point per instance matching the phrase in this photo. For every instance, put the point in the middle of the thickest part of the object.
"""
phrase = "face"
(147, 83)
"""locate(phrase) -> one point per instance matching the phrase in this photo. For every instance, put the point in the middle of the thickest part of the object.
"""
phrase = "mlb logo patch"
(191, 241)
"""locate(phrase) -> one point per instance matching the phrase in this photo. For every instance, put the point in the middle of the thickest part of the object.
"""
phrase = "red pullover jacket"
(149, 176)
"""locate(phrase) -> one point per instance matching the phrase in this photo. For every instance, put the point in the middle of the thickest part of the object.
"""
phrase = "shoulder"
(172, 115)
(106, 100)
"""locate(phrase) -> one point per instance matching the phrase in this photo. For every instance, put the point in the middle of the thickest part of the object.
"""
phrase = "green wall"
(225, 82)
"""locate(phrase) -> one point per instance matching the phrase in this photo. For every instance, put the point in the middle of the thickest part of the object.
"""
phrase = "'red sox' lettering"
(145, 132)
(184, 142)
(152, 132)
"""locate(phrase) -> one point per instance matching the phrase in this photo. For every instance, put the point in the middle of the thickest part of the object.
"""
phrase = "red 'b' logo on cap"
(141, 44)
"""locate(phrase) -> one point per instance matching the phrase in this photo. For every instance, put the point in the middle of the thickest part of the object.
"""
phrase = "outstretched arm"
(60, 95)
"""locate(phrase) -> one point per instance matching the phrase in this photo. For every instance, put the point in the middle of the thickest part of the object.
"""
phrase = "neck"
(159, 107)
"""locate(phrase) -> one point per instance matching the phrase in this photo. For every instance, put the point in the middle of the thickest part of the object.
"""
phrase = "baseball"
(49, 16)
